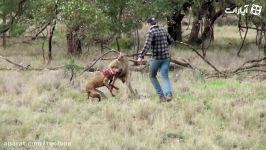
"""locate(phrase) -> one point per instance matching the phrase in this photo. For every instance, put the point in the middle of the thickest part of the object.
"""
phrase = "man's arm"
(147, 45)
(170, 40)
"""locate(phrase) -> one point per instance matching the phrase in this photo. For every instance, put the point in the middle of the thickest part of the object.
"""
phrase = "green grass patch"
(186, 97)
(81, 97)
(218, 84)
(260, 93)
(221, 83)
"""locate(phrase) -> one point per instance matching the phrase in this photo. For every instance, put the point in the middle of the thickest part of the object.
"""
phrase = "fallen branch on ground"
(249, 67)
(253, 66)
(16, 64)
(254, 61)
(256, 65)
(32, 69)
(28, 67)
(205, 60)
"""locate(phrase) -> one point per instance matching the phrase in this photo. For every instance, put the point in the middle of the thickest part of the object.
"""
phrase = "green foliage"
(123, 43)
(7, 10)
(123, 14)
(8, 6)
(164, 8)
(100, 19)
(17, 29)
(78, 12)
(41, 12)
(70, 65)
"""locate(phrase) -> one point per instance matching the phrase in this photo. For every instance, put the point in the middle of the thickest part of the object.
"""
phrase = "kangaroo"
(122, 63)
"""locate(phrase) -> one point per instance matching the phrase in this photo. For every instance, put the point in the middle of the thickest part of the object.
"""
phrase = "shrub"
(71, 67)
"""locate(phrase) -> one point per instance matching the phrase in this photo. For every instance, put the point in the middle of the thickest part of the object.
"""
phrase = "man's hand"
(110, 87)
(139, 60)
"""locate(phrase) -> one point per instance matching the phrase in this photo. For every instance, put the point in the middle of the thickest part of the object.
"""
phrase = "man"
(158, 40)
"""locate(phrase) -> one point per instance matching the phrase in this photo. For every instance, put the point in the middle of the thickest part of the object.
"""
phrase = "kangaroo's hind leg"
(101, 93)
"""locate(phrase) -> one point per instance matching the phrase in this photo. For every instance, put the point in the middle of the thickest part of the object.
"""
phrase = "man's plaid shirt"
(158, 40)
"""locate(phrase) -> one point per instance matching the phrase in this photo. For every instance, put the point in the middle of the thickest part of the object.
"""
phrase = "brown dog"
(122, 63)
(101, 79)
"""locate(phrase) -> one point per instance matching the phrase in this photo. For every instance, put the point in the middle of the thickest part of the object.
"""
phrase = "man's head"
(151, 21)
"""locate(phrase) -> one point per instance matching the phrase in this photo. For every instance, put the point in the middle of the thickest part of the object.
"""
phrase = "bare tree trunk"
(265, 51)
(259, 35)
(194, 34)
(117, 44)
(207, 32)
(51, 34)
(175, 26)
(43, 51)
(174, 21)
(102, 46)
(245, 36)
(212, 15)
(4, 34)
(73, 41)
(138, 41)
(208, 28)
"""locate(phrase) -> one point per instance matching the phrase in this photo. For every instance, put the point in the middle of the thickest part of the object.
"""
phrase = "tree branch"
(99, 58)
(41, 30)
(245, 36)
(205, 60)
(247, 27)
(13, 63)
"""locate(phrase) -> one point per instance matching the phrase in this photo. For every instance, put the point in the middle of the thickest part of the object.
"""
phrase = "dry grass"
(216, 114)
(204, 114)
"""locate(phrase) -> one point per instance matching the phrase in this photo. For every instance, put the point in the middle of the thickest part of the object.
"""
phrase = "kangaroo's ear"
(121, 56)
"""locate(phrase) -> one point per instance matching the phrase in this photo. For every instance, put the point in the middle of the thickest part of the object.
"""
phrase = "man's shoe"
(162, 99)
(168, 98)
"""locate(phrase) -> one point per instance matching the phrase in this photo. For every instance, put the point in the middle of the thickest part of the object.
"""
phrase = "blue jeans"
(163, 66)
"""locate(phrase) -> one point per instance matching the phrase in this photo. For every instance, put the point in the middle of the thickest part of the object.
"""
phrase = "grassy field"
(205, 114)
